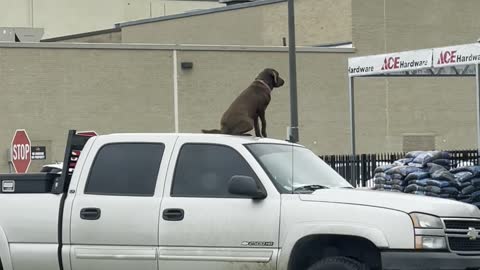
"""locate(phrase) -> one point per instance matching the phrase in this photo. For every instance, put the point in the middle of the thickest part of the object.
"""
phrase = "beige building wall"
(117, 88)
(318, 22)
(66, 17)
(49, 91)
(392, 114)
(218, 77)
(398, 25)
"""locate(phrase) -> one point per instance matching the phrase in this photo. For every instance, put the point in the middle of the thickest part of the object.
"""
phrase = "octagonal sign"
(21, 153)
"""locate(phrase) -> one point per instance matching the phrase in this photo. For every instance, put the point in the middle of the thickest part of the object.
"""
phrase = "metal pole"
(175, 91)
(477, 68)
(352, 128)
(9, 160)
(294, 134)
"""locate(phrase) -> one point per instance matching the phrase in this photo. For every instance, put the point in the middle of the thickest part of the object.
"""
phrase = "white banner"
(456, 55)
(390, 63)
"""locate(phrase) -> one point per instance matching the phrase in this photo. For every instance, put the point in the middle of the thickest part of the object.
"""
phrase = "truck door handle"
(90, 213)
(173, 214)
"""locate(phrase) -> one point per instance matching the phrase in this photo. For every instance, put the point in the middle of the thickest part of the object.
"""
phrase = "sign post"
(21, 151)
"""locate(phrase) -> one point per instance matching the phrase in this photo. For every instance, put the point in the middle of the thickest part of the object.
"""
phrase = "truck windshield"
(295, 168)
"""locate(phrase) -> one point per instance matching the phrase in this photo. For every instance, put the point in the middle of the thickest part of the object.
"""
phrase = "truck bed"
(28, 182)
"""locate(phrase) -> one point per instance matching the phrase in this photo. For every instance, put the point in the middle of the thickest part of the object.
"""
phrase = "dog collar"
(266, 85)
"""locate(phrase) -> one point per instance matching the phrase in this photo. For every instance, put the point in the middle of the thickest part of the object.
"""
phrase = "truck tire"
(338, 263)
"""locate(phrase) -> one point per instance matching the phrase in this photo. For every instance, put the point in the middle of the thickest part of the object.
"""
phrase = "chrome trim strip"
(430, 232)
(462, 219)
(458, 236)
(116, 257)
(116, 254)
(216, 254)
(215, 258)
(456, 230)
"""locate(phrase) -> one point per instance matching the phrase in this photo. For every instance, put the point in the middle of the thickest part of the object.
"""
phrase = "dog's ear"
(275, 76)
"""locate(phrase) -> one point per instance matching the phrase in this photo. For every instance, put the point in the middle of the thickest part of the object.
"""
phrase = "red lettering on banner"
(391, 63)
(447, 57)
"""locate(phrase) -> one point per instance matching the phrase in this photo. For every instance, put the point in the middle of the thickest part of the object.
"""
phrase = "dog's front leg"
(264, 123)
(256, 127)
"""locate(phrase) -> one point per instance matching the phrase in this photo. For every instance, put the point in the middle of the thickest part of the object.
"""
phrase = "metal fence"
(365, 164)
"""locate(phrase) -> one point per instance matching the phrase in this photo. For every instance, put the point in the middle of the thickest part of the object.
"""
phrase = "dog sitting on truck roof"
(243, 114)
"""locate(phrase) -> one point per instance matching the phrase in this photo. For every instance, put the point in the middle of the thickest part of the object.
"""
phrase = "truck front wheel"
(338, 263)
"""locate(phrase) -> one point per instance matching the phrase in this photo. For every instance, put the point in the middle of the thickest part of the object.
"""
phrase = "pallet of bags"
(433, 178)
(413, 174)
(420, 183)
(398, 174)
(422, 158)
(469, 179)
(384, 181)
(391, 177)
(450, 186)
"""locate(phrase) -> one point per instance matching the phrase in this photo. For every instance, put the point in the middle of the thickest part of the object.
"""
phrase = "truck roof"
(221, 137)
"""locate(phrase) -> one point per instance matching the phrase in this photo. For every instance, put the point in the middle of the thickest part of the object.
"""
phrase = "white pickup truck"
(197, 201)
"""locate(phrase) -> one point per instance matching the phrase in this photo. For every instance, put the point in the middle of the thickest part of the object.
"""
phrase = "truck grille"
(463, 244)
(462, 224)
(463, 235)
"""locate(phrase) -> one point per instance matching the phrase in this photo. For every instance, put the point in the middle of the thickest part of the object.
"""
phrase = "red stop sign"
(21, 151)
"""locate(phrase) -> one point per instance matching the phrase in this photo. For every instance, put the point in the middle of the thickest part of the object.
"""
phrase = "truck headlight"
(430, 242)
(424, 221)
(429, 233)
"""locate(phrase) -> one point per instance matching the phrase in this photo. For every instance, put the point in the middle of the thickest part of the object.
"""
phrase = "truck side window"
(128, 169)
(204, 170)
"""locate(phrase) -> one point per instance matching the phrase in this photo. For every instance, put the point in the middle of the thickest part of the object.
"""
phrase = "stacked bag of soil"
(422, 173)
(383, 181)
(429, 173)
(469, 179)
(392, 177)
(434, 178)
(436, 181)
(421, 159)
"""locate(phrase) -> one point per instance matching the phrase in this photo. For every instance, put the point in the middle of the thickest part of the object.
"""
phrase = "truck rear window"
(128, 169)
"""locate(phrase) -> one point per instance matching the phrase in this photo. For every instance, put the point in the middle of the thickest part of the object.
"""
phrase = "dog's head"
(271, 77)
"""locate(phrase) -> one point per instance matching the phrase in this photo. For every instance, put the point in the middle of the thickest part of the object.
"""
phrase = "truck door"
(202, 225)
(115, 212)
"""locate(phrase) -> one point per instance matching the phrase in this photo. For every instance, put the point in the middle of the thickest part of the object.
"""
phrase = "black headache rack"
(45, 182)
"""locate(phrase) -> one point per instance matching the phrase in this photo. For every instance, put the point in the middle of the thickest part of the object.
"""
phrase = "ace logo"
(391, 63)
(447, 57)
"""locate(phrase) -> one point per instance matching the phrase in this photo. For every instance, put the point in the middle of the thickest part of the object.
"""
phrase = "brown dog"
(242, 115)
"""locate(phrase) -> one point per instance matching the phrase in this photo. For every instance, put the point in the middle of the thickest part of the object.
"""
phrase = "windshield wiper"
(310, 188)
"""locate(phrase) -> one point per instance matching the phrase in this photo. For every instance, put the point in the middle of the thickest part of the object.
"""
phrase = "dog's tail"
(212, 131)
